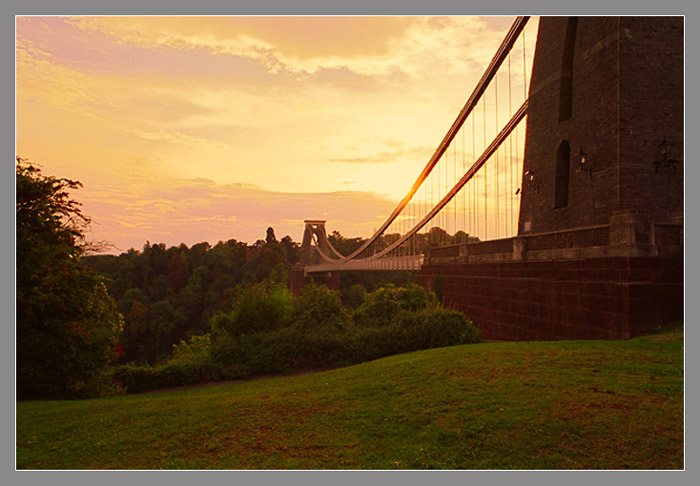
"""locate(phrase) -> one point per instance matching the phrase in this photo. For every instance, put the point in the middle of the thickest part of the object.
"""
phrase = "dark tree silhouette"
(67, 324)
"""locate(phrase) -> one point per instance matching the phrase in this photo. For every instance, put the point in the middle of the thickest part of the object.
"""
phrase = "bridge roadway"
(408, 262)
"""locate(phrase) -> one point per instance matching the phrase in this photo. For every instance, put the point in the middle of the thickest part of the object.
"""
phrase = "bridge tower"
(314, 232)
(599, 251)
(606, 101)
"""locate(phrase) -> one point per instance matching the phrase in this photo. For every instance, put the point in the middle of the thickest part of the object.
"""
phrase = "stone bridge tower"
(605, 126)
(599, 251)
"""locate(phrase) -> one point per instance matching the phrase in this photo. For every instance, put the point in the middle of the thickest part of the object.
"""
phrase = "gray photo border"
(12, 8)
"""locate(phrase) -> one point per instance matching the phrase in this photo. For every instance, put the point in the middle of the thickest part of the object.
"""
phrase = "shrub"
(192, 362)
(355, 296)
(258, 353)
(384, 304)
(437, 327)
(258, 307)
(317, 332)
(410, 330)
(233, 350)
(135, 378)
(300, 347)
(196, 351)
(319, 307)
(369, 343)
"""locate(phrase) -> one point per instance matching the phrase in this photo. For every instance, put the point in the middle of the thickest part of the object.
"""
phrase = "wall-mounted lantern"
(665, 161)
(584, 164)
(529, 177)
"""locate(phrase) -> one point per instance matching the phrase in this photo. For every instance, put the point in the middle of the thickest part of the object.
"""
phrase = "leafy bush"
(321, 346)
(191, 362)
(318, 328)
(436, 327)
(411, 331)
(196, 351)
(258, 307)
(319, 307)
(135, 378)
(355, 296)
(369, 343)
(384, 304)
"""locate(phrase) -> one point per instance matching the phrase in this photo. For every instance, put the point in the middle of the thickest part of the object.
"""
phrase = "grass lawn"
(535, 405)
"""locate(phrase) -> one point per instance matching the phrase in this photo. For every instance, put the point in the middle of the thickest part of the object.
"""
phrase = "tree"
(162, 319)
(177, 270)
(136, 332)
(344, 245)
(292, 250)
(67, 324)
(382, 306)
(270, 238)
(259, 307)
(317, 307)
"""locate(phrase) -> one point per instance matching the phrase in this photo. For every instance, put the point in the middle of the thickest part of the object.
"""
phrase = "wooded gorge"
(95, 325)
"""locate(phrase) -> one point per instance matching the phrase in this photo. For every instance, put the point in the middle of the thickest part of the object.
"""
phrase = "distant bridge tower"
(314, 232)
(314, 239)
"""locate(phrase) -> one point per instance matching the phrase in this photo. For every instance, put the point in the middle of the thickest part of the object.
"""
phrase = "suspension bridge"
(468, 190)
(528, 236)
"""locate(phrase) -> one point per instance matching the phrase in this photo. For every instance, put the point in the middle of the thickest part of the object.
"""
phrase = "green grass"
(536, 405)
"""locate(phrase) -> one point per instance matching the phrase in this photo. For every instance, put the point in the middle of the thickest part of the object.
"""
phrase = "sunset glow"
(190, 129)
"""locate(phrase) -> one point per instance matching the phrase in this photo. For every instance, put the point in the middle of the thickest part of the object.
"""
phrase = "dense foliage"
(269, 331)
(67, 324)
(169, 294)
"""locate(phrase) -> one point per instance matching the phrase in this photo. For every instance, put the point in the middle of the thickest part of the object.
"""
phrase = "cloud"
(371, 46)
(388, 156)
(128, 224)
(172, 137)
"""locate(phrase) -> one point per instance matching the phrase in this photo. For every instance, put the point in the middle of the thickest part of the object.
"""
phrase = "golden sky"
(190, 129)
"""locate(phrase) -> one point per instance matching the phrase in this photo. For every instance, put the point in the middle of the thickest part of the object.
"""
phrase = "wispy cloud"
(173, 137)
(388, 156)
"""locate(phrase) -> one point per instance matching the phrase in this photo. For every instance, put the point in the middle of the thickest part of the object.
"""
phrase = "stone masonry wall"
(651, 108)
(627, 94)
(599, 298)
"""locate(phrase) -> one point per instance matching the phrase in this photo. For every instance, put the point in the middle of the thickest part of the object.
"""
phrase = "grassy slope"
(567, 404)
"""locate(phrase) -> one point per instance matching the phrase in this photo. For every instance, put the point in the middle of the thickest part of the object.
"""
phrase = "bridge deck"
(410, 263)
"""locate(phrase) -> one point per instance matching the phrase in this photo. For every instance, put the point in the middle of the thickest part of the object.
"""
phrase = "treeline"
(226, 312)
(169, 294)
(166, 295)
